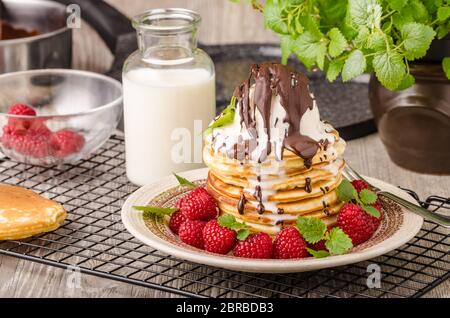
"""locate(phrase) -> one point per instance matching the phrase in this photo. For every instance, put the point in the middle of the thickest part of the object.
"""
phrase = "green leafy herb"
(311, 228)
(273, 17)
(356, 36)
(184, 182)
(417, 38)
(354, 65)
(371, 210)
(397, 4)
(242, 234)
(338, 242)
(443, 13)
(407, 81)
(389, 68)
(225, 118)
(150, 211)
(334, 69)
(318, 254)
(367, 196)
(229, 221)
(346, 191)
(338, 43)
(446, 66)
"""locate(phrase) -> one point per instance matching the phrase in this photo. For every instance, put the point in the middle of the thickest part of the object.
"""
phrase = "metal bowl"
(51, 48)
(84, 104)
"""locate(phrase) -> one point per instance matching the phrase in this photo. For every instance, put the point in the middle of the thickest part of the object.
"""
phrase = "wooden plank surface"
(223, 22)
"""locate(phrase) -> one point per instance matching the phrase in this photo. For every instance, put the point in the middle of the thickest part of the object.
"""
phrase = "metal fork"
(439, 219)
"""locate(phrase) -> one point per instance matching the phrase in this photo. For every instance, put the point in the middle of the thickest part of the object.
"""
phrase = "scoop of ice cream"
(275, 110)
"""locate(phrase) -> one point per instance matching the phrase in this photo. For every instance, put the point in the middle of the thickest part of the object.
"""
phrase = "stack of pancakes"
(275, 159)
(291, 188)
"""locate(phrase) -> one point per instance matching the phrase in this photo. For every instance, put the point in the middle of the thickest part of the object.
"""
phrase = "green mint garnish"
(371, 210)
(314, 230)
(225, 118)
(318, 254)
(150, 211)
(311, 228)
(242, 235)
(229, 221)
(367, 196)
(184, 182)
(338, 242)
(346, 191)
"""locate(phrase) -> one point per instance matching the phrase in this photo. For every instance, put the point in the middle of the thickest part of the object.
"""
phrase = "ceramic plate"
(398, 227)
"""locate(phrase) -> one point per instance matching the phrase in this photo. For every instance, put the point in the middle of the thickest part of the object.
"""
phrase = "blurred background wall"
(223, 22)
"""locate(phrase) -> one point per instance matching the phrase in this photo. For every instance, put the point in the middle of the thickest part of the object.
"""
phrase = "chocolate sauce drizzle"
(272, 79)
(308, 187)
(241, 204)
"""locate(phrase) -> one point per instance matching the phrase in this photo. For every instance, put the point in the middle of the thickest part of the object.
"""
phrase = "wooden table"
(223, 22)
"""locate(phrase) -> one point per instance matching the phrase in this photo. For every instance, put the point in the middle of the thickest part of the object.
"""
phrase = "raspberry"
(66, 142)
(218, 239)
(356, 223)
(21, 110)
(377, 205)
(191, 233)
(289, 243)
(319, 246)
(20, 125)
(33, 144)
(199, 205)
(179, 202)
(359, 185)
(258, 245)
(176, 220)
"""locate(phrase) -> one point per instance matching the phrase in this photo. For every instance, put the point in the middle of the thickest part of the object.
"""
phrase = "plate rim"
(144, 194)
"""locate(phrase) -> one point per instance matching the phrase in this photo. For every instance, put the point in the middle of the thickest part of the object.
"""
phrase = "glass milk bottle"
(169, 96)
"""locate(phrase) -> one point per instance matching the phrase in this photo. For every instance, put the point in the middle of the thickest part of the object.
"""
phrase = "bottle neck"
(171, 48)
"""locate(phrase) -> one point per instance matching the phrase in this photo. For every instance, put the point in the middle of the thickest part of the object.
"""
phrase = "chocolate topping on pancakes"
(271, 79)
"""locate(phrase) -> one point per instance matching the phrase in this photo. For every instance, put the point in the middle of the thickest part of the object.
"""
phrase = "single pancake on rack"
(24, 213)
(270, 155)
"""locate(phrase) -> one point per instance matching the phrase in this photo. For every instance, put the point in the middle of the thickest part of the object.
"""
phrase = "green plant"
(350, 37)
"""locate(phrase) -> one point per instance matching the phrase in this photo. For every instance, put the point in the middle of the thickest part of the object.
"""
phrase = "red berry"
(289, 243)
(319, 246)
(20, 125)
(33, 144)
(258, 245)
(377, 205)
(67, 142)
(218, 239)
(22, 110)
(191, 233)
(199, 205)
(176, 220)
(356, 223)
(360, 185)
(178, 204)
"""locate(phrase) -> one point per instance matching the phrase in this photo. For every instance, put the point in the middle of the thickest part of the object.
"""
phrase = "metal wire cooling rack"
(94, 240)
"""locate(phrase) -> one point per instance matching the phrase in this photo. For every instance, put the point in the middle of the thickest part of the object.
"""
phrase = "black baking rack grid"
(94, 240)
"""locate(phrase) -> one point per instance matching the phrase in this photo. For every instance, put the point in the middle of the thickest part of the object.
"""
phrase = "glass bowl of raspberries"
(54, 117)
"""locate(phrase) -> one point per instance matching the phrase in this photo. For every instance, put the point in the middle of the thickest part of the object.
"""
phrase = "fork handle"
(426, 214)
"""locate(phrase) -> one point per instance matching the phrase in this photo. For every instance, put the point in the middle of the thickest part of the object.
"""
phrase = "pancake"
(24, 213)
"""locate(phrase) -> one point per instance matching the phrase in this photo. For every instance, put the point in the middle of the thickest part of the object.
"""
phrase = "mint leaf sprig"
(151, 211)
(158, 212)
(356, 36)
(229, 221)
(225, 118)
(314, 230)
(347, 193)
